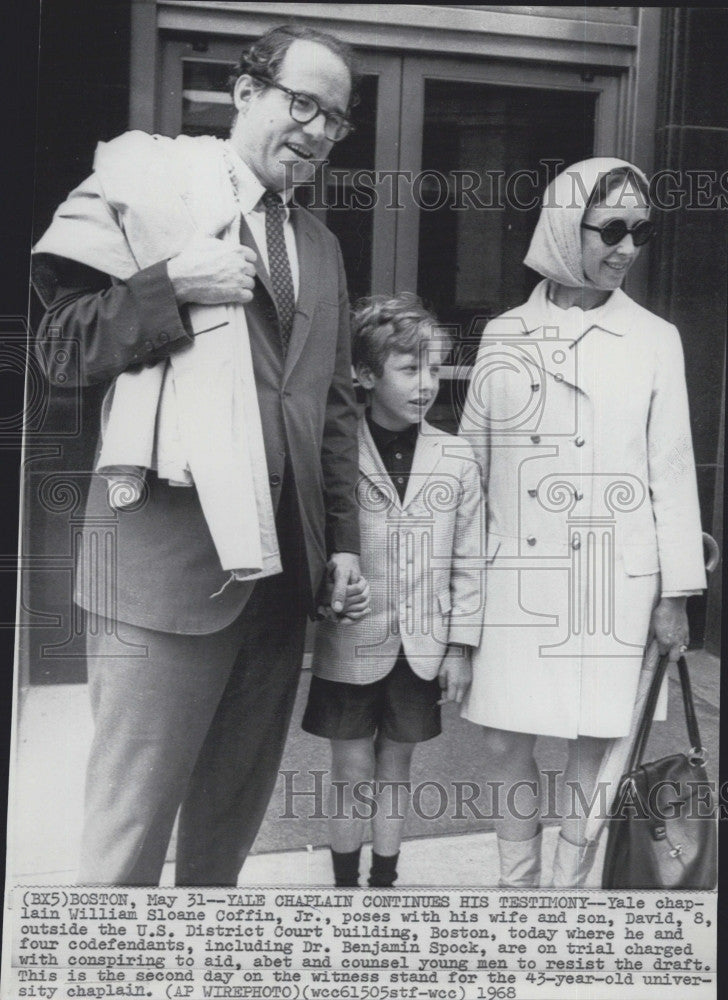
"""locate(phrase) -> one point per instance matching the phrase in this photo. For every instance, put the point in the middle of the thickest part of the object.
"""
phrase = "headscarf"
(555, 250)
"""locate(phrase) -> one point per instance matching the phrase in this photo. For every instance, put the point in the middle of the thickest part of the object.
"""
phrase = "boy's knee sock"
(346, 867)
(384, 870)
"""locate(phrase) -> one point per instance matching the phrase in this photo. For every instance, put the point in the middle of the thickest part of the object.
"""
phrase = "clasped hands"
(344, 598)
(344, 595)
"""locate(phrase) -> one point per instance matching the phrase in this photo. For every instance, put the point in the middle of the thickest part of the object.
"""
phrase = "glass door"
(437, 190)
(481, 142)
(195, 99)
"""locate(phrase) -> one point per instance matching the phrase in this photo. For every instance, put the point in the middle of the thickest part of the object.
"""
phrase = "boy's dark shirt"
(397, 450)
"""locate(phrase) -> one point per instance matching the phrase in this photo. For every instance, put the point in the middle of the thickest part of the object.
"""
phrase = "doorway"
(437, 189)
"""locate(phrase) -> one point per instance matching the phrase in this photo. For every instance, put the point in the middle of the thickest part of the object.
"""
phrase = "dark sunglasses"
(616, 230)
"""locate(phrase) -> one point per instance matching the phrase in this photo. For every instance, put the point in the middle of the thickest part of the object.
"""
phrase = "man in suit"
(198, 713)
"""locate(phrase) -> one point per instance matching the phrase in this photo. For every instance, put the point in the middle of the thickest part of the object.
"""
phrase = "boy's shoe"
(383, 872)
(346, 868)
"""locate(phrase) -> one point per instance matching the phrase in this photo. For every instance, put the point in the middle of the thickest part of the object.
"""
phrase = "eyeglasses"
(616, 230)
(304, 108)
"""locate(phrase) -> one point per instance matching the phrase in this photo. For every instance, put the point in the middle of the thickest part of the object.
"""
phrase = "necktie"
(279, 264)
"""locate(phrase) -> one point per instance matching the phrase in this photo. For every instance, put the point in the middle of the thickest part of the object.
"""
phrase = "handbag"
(662, 830)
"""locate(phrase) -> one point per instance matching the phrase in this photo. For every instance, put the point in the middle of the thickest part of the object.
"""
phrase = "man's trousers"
(197, 721)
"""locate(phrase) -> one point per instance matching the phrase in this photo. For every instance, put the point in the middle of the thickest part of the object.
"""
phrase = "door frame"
(418, 69)
(400, 125)
(384, 65)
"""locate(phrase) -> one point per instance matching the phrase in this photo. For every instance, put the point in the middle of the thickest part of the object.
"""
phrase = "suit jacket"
(155, 566)
(423, 558)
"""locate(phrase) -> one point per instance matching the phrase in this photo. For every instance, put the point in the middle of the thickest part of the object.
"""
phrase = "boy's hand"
(455, 673)
(345, 592)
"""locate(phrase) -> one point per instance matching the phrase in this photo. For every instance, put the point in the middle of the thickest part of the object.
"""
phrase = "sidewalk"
(469, 859)
(55, 733)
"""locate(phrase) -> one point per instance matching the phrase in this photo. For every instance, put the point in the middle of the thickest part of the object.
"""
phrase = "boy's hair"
(381, 326)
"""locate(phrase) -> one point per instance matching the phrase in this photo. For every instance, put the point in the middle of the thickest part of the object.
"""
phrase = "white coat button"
(532, 493)
(576, 542)
(578, 495)
(579, 441)
(536, 438)
(531, 539)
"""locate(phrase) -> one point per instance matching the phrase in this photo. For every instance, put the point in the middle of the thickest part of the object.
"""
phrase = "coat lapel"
(571, 338)
(372, 466)
(426, 457)
(309, 265)
(427, 454)
(246, 239)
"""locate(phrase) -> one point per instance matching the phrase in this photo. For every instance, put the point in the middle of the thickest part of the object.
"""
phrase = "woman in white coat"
(578, 414)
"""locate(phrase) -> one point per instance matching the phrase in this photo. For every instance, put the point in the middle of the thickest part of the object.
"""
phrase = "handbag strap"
(643, 732)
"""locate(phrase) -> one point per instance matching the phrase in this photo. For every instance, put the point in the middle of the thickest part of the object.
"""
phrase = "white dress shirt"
(248, 192)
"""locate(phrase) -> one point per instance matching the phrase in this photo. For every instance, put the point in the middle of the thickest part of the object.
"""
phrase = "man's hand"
(211, 272)
(455, 673)
(669, 626)
(345, 596)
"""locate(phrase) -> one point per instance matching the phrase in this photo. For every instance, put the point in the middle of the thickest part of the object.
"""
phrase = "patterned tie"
(279, 264)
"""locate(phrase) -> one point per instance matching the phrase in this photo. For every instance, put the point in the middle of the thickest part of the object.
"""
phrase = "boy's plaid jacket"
(424, 559)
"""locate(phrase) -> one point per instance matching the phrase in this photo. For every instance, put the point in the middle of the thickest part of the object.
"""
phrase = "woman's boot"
(572, 863)
(520, 862)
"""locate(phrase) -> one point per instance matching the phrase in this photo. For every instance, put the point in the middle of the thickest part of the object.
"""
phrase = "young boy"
(377, 682)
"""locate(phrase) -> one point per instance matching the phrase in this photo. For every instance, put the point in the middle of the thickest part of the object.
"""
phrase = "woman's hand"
(669, 626)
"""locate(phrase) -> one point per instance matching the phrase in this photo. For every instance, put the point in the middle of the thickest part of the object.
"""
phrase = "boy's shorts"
(401, 706)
